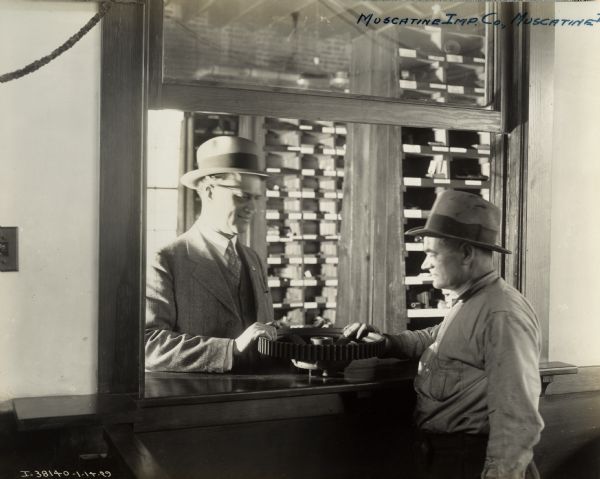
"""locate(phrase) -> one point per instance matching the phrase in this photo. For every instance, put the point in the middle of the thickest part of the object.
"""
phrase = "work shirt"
(479, 373)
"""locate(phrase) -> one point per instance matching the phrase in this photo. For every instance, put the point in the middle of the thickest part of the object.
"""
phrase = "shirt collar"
(469, 289)
(218, 240)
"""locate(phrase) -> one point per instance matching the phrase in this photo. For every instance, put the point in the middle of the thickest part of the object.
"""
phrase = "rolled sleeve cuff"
(493, 470)
(228, 357)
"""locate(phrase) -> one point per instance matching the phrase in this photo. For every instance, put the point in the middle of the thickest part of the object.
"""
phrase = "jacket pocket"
(440, 379)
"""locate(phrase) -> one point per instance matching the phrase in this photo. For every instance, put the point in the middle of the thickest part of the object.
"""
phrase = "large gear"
(340, 350)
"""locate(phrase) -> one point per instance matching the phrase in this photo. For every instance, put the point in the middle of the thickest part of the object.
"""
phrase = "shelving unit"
(435, 160)
(303, 217)
(436, 313)
(437, 63)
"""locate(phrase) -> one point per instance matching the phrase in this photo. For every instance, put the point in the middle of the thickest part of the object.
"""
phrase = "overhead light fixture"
(339, 80)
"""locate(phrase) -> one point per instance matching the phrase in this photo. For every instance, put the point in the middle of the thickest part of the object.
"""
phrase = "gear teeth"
(317, 352)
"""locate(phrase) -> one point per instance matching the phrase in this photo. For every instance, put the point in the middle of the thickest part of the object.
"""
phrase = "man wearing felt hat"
(478, 380)
(207, 294)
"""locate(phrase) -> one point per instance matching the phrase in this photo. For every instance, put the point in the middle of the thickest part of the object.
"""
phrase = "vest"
(243, 295)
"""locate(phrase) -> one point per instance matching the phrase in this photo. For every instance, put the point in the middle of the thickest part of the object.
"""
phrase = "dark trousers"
(455, 456)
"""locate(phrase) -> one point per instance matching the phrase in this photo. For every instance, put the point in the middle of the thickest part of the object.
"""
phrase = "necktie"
(233, 261)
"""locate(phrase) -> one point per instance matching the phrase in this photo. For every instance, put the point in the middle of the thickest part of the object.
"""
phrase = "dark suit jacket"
(191, 317)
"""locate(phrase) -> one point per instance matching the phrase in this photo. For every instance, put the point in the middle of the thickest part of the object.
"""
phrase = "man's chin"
(240, 228)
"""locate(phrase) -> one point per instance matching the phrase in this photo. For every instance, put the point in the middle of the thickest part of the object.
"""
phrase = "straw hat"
(225, 154)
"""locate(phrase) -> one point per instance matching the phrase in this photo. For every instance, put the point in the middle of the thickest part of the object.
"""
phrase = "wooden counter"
(188, 399)
(281, 423)
(278, 424)
(274, 381)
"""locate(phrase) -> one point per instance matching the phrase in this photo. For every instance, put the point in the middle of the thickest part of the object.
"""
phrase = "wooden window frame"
(132, 83)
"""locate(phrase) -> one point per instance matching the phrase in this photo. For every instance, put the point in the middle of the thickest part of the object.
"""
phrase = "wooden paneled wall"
(371, 251)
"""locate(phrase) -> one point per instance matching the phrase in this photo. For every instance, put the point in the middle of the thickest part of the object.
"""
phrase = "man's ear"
(205, 188)
(468, 251)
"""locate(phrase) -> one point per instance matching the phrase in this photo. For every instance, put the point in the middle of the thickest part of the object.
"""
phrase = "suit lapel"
(258, 286)
(207, 271)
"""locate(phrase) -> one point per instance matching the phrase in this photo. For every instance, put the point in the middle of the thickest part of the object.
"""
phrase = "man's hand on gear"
(362, 331)
(252, 333)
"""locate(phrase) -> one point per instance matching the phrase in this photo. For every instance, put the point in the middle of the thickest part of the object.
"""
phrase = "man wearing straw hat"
(478, 381)
(207, 294)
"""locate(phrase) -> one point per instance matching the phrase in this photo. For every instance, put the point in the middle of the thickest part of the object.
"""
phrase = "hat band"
(243, 161)
(449, 226)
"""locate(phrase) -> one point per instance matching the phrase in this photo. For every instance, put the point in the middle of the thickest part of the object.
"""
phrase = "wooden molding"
(514, 114)
(121, 290)
(55, 412)
(155, 12)
(313, 106)
(538, 172)
(586, 379)
(371, 252)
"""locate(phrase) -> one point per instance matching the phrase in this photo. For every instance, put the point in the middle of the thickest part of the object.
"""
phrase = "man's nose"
(426, 264)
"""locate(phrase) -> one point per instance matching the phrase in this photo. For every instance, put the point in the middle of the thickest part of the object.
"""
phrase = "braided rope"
(36, 65)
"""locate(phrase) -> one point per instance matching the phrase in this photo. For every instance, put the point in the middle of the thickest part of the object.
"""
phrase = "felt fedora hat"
(225, 154)
(463, 216)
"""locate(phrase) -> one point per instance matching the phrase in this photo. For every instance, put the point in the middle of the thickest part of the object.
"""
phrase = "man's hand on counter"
(362, 331)
(252, 333)
(366, 333)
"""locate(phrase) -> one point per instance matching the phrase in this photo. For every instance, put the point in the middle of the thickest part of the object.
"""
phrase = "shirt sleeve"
(511, 350)
(410, 344)
(167, 349)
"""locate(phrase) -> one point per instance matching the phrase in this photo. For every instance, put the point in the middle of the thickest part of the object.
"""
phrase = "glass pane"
(420, 51)
(306, 230)
(164, 154)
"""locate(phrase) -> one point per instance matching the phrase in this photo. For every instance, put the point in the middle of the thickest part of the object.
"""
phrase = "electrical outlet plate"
(9, 248)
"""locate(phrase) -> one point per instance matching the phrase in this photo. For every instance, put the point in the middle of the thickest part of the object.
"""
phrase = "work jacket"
(479, 372)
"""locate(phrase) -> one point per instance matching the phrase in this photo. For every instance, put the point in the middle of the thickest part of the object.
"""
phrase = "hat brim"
(437, 234)
(191, 178)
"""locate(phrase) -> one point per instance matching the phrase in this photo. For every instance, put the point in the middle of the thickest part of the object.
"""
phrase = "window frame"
(132, 83)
